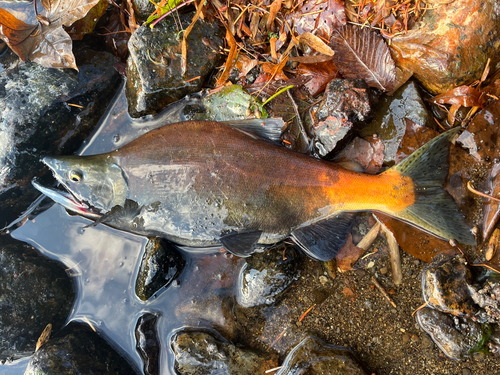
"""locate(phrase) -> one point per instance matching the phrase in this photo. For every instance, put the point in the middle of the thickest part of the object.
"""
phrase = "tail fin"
(434, 209)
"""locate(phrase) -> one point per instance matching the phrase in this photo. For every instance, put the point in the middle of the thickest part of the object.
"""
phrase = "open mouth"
(68, 200)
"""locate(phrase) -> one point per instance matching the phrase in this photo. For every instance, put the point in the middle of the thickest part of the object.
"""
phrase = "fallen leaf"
(348, 255)
(273, 11)
(415, 242)
(16, 34)
(415, 137)
(462, 95)
(47, 43)
(321, 74)
(362, 53)
(86, 25)
(316, 44)
(319, 16)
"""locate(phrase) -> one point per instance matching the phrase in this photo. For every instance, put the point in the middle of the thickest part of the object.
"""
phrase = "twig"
(397, 273)
(420, 308)
(368, 239)
(382, 290)
(484, 195)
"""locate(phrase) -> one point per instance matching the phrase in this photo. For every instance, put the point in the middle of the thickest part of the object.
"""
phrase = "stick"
(382, 290)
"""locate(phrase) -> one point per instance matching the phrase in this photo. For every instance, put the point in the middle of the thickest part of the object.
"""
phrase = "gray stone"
(346, 104)
(389, 121)
(266, 276)
(203, 353)
(154, 67)
(160, 265)
(456, 337)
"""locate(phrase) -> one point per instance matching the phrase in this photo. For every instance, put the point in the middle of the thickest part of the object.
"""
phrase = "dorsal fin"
(323, 240)
(268, 129)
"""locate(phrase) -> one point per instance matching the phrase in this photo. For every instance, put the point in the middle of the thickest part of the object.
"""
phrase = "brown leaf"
(16, 34)
(320, 74)
(275, 71)
(311, 59)
(316, 44)
(415, 242)
(348, 255)
(462, 95)
(273, 11)
(362, 53)
(319, 16)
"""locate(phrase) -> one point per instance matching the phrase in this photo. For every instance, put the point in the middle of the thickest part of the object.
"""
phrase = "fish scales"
(261, 185)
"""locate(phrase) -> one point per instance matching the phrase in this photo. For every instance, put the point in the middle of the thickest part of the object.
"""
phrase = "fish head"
(94, 181)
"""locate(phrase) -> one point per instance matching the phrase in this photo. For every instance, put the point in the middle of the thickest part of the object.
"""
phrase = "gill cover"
(95, 180)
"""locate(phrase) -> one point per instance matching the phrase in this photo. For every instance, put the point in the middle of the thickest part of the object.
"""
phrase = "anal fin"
(323, 240)
(243, 243)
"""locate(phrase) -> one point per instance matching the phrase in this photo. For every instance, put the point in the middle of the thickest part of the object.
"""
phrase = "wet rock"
(154, 67)
(456, 337)
(266, 275)
(367, 152)
(77, 350)
(446, 286)
(448, 47)
(314, 357)
(34, 292)
(142, 10)
(203, 353)
(346, 104)
(230, 103)
(147, 343)
(37, 117)
(160, 265)
(389, 122)
(487, 297)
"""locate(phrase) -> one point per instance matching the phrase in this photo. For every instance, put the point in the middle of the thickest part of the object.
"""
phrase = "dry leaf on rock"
(46, 43)
(362, 53)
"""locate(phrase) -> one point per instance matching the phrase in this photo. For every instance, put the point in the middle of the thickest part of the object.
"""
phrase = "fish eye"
(76, 176)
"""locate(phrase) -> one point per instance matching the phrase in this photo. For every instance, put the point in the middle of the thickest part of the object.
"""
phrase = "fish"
(204, 183)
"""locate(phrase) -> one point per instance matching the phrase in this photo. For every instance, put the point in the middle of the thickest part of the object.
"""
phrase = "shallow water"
(104, 262)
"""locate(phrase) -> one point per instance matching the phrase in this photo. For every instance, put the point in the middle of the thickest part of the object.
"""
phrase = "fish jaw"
(67, 200)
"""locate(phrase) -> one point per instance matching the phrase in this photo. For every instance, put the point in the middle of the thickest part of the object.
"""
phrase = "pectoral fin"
(242, 244)
(121, 216)
(323, 240)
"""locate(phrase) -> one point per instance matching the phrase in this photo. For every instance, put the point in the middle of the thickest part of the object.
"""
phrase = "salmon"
(201, 183)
